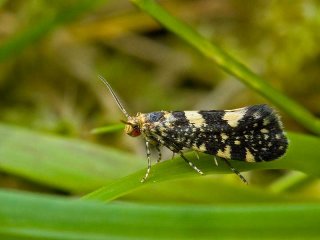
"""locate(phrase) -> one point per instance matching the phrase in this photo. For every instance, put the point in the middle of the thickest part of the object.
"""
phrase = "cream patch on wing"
(237, 142)
(233, 117)
(266, 121)
(195, 118)
(201, 148)
(224, 136)
(249, 156)
(226, 153)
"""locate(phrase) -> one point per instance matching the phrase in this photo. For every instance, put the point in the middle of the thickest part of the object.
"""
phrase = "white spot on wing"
(202, 148)
(224, 136)
(256, 115)
(266, 121)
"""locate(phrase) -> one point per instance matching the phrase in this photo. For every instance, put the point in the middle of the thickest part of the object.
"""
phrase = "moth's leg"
(235, 171)
(191, 164)
(215, 160)
(197, 155)
(176, 149)
(149, 162)
(158, 141)
(159, 152)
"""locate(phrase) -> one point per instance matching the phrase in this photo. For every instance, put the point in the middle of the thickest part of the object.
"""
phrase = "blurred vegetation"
(51, 100)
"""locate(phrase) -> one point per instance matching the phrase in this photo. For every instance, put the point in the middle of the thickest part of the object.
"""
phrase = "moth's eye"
(132, 130)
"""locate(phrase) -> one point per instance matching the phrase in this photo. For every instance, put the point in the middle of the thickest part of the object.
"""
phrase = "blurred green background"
(50, 97)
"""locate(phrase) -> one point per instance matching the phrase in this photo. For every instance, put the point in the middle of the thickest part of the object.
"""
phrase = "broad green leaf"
(29, 216)
(230, 64)
(302, 155)
(68, 164)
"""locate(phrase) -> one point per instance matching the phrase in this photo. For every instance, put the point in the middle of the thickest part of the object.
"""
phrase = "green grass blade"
(211, 190)
(302, 155)
(78, 166)
(289, 181)
(29, 216)
(108, 129)
(21, 40)
(67, 164)
(229, 64)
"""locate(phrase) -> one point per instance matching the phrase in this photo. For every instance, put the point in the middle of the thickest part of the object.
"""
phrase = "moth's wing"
(179, 130)
(250, 134)
(254, 133)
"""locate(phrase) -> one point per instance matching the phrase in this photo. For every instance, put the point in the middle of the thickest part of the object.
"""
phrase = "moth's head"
(132, 127)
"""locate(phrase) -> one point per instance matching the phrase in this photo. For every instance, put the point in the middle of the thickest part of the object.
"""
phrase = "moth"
(250, 134)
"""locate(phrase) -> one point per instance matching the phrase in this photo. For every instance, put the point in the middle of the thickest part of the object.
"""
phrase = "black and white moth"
(250, 134)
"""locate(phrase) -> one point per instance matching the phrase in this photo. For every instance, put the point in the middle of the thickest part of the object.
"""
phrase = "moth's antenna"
(114, 95)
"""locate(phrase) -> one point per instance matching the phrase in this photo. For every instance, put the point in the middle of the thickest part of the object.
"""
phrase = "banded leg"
(215, 160)
(175, 149)
(160, 142)
(149, 162)
(235, 171)
(197, 155)
(191, 164)
(159, 153)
